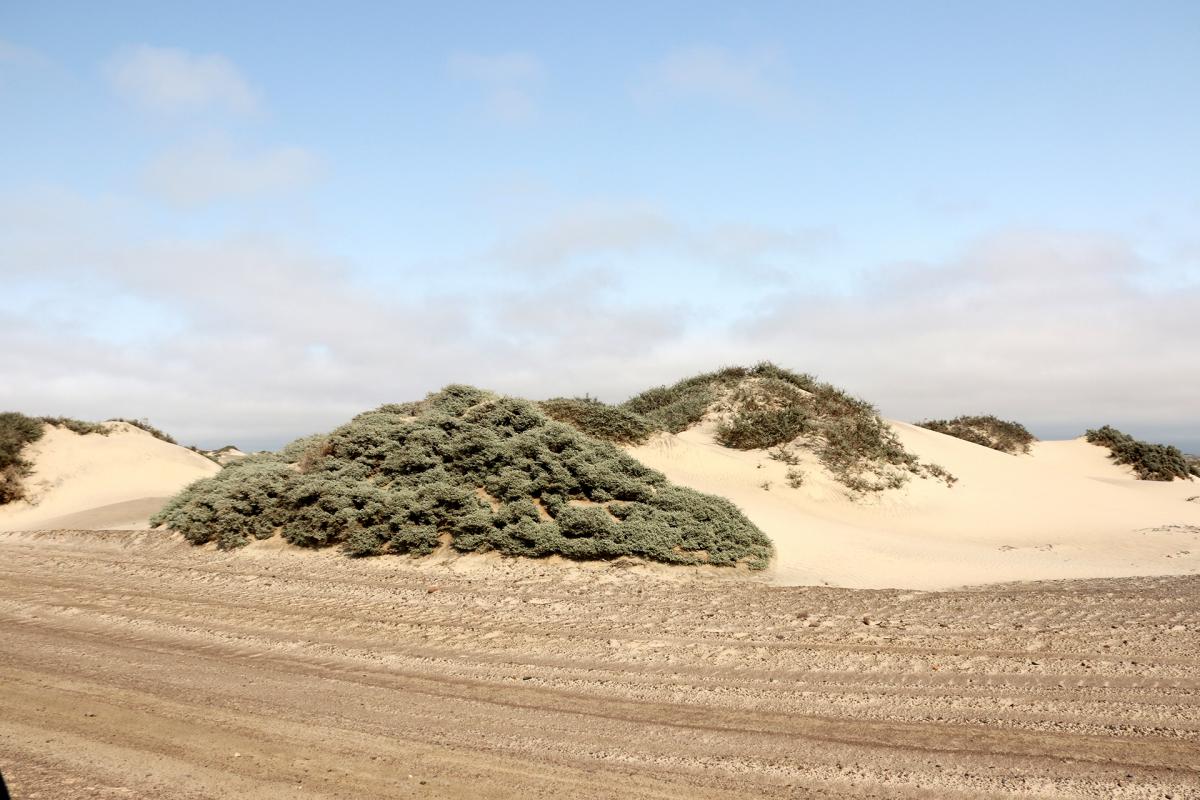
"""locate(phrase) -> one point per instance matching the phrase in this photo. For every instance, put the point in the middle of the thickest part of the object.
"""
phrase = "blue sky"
(249, 222)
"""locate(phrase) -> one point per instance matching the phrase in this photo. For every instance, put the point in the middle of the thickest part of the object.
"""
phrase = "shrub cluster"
(673, 409)
(470, 469)
(1151, 462)
(77, 425)
(610, 423)
(768, 406)
(767, 412)
(987, 430)
(16, 431)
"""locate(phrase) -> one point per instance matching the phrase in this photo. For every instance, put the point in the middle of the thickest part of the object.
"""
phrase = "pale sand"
(100, 482)
(134, 665)
(1063, 511)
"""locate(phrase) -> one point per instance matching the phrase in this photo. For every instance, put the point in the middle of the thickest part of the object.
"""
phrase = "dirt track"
(132, 665)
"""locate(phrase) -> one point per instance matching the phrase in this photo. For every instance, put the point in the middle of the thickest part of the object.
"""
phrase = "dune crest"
(101, 481)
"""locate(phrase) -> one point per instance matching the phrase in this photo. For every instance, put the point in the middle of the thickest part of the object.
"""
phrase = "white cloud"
(1046, 327)
(253, 340)
(586, 233)
(250, 339)
(753, 79)
(509, 82)
(171, 80)
(212, 171)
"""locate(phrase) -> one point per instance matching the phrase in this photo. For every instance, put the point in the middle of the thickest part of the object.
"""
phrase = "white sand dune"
(1062, 511)
(101, 482)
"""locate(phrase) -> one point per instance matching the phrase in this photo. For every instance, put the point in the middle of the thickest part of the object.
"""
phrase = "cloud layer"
(199, 174)
(170, 80)
(251, 339)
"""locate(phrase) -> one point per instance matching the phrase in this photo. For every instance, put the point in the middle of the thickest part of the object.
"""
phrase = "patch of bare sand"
(101, 481)
(1063, 511)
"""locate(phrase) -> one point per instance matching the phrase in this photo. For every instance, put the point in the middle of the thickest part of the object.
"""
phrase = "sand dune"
(99, 482)
(1062, 511)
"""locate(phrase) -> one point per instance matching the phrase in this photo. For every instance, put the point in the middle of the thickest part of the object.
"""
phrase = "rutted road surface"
(132, 665)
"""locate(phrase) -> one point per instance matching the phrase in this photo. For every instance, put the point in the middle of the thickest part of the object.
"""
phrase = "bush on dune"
(77, 425)
(16, 431)
(987, 430)
(1151, 462)
(474, 470)
(610, 423)
(767, 406)
(145, 425)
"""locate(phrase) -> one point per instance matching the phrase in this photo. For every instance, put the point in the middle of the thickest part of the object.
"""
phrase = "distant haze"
(247, 224)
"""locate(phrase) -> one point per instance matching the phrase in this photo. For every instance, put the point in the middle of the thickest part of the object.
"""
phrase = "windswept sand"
(99, 482)
(134, 665)
(1063, 511)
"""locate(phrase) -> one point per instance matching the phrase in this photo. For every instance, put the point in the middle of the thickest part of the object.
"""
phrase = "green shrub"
(675, 409)
(244, 501)
(477, 471)
(988, 431)
(303, 449)
(1151, 462)
(600, 420)
(16, 431)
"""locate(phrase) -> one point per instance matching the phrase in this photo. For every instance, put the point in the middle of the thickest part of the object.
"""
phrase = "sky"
(247, 222)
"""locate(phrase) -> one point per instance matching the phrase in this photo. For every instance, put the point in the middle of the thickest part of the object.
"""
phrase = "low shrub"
(767, 406)
(1151, 462)
(600, 420)
(16, 431)
(986, 430)
(477, 471)
(755, 430)
(765, 412)
(673, 410)
(77, 425)
(244, 501)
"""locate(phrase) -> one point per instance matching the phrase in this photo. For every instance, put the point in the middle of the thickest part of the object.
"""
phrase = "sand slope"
(1063, 511)
(99, 482)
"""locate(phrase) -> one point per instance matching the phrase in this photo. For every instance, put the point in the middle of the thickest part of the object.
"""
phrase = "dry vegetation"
(987, 430)
(16, 431)
(1151, 462)
(766, 406)
(470, 469)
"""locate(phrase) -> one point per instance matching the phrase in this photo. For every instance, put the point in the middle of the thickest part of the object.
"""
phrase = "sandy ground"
(133, 665)
(101, 482)
(1062, 511)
